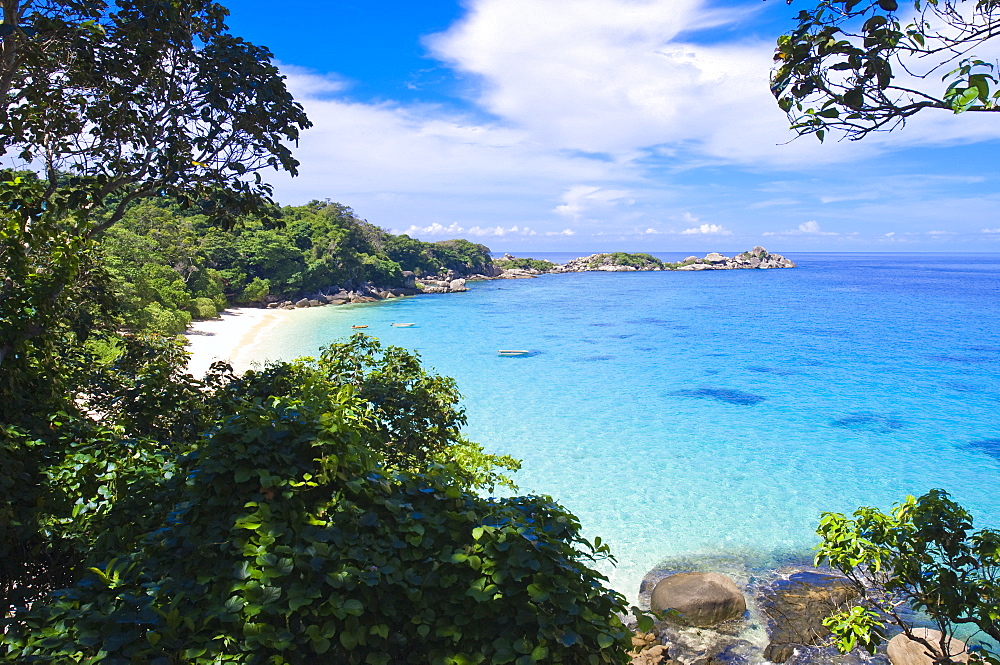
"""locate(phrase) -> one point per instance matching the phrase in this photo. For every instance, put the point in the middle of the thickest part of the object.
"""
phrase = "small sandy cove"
(228, 338)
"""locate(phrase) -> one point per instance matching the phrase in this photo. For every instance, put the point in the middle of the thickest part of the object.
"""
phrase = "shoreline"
(229, 337)
(238, 330)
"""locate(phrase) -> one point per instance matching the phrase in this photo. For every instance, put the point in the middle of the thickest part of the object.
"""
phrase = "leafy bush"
(203, 308)
(270, 520)
(923, 554)
(256, 291)
(639, 261)
(157, 319)
(524, 264)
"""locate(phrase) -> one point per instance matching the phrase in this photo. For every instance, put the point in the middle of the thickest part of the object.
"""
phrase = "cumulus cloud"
(707, 229)
(433, 230)
(438, 231)
(574, 119)
(500, 232)
(580, 200)
(807, 228)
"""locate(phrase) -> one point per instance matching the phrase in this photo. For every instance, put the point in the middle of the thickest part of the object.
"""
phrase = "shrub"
(277, 530)
(256, 291)
(524, 264)
(203, 308)
(923, 554)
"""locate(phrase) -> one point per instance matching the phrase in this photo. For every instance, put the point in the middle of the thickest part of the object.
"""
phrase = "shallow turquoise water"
(719, 413)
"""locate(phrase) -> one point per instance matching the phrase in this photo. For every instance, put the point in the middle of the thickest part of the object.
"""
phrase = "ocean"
(692, 417)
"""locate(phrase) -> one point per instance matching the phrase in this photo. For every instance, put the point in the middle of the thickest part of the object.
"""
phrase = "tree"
(114, 102)
(923, 555)
(264, 522)
(862, 66)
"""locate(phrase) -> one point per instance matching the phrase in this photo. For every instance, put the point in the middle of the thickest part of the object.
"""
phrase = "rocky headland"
(757, 258)
(511, 267)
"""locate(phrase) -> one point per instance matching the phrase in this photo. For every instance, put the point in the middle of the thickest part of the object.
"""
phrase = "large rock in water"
(795, 608)
(698, 599)
(904, 651)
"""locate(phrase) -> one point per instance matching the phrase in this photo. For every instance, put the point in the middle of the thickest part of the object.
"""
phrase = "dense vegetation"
(167, 266)
(640, 261)
(524, 264)
(319, 507)
(329, 506)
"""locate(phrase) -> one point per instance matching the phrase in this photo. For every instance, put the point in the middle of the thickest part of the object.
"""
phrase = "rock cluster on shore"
(452, 282)
(757, 258)
(708, 618)
(448, 283)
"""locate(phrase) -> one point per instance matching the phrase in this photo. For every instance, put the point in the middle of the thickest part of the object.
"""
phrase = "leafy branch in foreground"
(924, 556)
(116, 102)
(276, 532)
(861, 66)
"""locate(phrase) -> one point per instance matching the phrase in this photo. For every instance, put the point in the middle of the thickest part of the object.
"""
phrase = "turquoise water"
(719, 413)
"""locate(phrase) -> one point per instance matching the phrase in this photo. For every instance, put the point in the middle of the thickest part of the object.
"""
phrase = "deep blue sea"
(684, 415)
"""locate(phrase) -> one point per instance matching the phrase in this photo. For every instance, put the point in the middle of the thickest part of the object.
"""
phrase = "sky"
(603, 125)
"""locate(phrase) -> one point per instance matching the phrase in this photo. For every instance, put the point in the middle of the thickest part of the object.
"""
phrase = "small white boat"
(356, 327)
(403, 325)
(512, 352)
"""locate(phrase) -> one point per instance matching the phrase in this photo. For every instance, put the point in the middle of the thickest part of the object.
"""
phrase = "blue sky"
(640, 125)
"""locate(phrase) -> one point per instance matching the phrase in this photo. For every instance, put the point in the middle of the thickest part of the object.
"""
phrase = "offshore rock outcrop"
(757, 258)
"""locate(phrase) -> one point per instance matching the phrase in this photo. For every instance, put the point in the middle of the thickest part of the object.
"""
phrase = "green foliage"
(278, 535)
(639, 261)
(159, 254)
(204, 308)
(524, 264)
(256, 291)
(110, 72)
(925, 555)
(839, 69)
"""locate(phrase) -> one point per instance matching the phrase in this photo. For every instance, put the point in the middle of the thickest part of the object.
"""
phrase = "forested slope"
(166, 266)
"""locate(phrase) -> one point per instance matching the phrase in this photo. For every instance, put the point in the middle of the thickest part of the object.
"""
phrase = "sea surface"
(700, 416)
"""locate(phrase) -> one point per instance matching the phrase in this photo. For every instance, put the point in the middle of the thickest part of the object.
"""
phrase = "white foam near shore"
(231, 337)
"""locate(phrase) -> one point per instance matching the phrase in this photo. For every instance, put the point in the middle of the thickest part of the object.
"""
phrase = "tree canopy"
(924, 555)
(105, 103)
(860, 66)
(327, 509)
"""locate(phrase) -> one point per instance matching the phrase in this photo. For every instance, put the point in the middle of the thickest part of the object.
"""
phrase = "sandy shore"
(228, 338)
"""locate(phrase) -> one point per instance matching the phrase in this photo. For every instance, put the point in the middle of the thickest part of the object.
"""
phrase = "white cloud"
(859, 196)
(434, 230)
(940, 233)
(996, 230)
(811, 228)
(500, 232)
(707, 229)
(579, 117)
(771, 203)
(580, 200)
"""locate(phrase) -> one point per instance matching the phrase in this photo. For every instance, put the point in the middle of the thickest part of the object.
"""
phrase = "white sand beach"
(229, 337)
